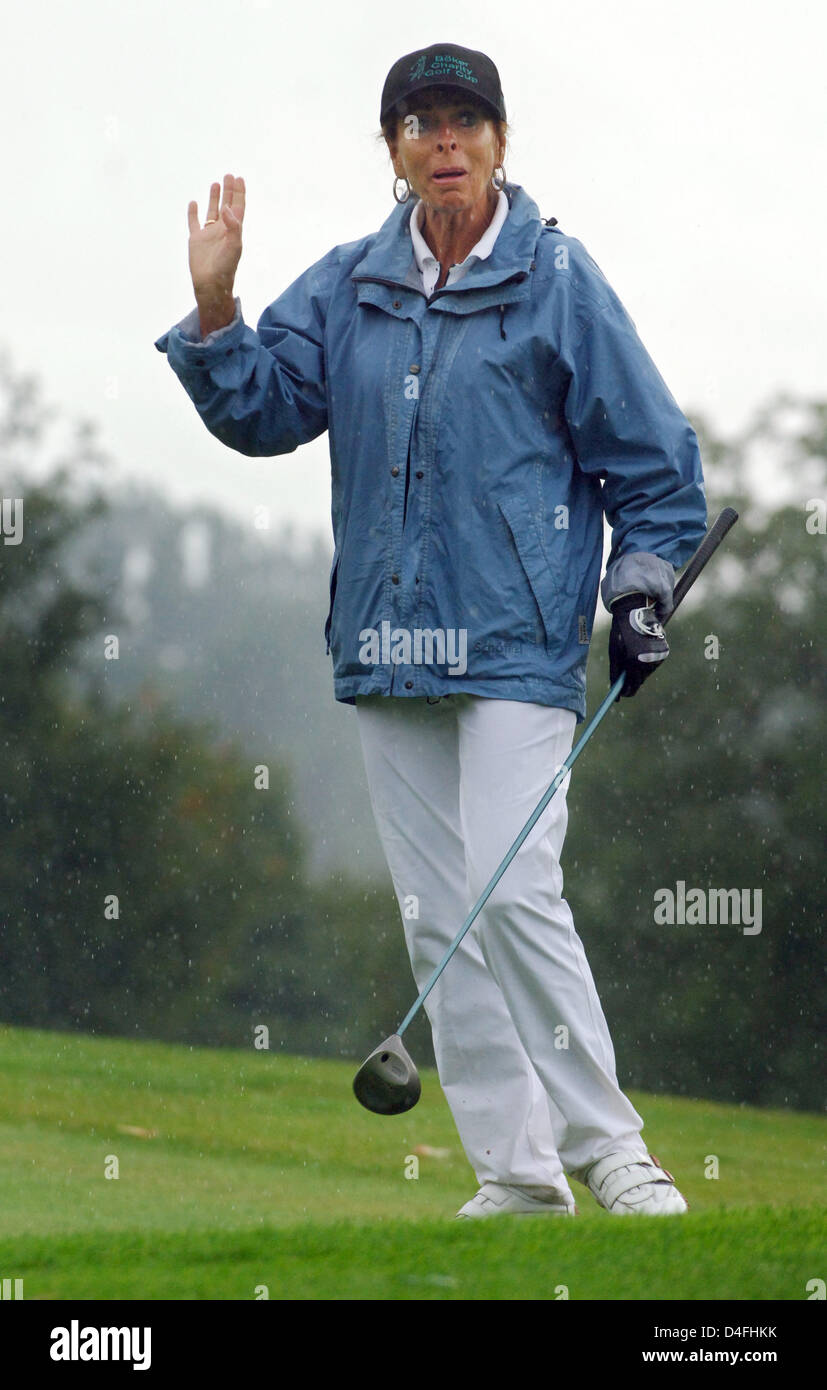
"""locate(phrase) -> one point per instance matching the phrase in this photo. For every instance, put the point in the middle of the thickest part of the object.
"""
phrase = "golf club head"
(387, 1082)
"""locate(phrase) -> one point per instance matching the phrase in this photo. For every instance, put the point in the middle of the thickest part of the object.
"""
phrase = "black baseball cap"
(443, 65)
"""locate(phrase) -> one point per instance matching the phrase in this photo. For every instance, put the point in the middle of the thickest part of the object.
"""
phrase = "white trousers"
(521, 1043)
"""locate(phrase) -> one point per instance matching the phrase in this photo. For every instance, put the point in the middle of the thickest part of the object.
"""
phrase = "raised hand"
(215, 251)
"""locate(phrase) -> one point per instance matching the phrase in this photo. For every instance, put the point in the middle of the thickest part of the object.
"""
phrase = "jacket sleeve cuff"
(640, 573)
(188, 330)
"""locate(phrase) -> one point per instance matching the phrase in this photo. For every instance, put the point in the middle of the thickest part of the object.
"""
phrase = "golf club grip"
(702, 556)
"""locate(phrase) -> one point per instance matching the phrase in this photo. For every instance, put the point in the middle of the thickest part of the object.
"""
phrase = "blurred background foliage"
(239, 906)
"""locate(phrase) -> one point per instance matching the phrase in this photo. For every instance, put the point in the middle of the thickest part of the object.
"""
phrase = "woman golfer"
(487, 400)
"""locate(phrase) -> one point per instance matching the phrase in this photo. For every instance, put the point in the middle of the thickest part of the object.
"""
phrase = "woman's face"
(446, 130)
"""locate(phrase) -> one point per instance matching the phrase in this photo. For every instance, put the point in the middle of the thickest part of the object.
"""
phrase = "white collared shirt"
(428, 265)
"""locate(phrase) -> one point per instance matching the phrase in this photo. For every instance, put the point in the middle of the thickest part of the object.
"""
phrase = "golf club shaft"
(526, 830)
(702, 555)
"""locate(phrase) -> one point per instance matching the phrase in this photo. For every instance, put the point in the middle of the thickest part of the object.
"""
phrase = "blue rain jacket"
(476, 440)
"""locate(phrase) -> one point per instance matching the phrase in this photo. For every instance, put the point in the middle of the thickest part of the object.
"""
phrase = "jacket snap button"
(409, 685)
(419, 473)
(394, 578)
(394, 471)
(414, 367)
(397, 304)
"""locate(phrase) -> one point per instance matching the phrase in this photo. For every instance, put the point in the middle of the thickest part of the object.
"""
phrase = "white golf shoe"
(499, 1199)
(628, 1183)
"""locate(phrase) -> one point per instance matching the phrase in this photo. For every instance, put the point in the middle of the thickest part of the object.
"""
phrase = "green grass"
(261, 1169)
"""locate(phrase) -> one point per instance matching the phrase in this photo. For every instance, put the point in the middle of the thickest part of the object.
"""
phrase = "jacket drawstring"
(550, 222)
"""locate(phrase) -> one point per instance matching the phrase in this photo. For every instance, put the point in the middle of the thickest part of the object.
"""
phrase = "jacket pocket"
(540, 577)
(334, 568)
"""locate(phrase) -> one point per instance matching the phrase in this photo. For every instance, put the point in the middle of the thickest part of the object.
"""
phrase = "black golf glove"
(637, 644)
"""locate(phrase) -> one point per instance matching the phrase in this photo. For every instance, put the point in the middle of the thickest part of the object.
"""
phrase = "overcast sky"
(681, 142)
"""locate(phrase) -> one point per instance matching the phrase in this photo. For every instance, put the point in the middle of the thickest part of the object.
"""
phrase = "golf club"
(387, 1081)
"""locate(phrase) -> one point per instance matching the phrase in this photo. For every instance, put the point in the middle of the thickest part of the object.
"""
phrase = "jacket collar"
(390, 258)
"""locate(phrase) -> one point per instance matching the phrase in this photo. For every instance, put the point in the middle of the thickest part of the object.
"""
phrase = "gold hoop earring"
(498, 186)
(407, 190)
